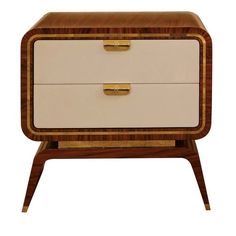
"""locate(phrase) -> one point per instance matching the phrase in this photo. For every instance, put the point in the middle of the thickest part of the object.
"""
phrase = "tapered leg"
(197, 169)
(36, 172)
(50, 150)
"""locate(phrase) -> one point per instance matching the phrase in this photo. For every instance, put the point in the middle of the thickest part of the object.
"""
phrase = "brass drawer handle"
(116, 89)
(116, 45)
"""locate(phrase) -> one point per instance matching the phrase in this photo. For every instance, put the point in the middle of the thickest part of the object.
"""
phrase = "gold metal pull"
(116, 45)
(116, 89)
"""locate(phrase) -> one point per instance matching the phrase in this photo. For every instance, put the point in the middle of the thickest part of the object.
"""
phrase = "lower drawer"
(86, 106)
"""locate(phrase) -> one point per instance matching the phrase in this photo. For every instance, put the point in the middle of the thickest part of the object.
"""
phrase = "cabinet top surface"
(119, 20)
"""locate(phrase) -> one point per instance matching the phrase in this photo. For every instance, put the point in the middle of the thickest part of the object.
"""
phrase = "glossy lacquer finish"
(86, 62)
(68, 106)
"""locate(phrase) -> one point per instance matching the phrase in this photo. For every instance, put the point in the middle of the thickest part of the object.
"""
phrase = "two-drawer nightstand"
(116, 85)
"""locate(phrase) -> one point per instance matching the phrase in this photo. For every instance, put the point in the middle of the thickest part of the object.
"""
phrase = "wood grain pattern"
(119, 20)
(49, 150)
(117, 26)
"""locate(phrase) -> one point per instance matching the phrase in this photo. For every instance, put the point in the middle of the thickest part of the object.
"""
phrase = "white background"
(119, 197)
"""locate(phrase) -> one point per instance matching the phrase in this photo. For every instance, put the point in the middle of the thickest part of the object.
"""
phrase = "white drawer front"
(86, 106)
(86, 61)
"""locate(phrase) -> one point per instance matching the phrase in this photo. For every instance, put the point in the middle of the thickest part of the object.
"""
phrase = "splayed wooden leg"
(51, 150)
(194, 160)
(36, 172)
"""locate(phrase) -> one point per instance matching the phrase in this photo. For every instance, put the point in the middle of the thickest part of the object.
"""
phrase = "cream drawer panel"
(86, 106)
(86, 61)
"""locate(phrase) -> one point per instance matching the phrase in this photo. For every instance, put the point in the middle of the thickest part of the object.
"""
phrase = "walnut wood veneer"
(116, 26)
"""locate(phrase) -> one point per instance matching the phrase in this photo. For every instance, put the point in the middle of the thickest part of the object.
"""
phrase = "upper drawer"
(86, 61)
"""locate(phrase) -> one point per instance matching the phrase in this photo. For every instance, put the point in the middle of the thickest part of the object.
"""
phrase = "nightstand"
(116, 85)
